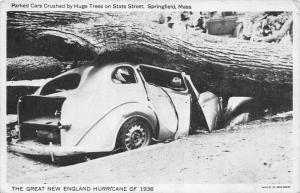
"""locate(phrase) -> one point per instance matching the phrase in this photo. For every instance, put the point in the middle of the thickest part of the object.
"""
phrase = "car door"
(208, 103)
(164, 110)
(181, 98)
(174, 88)
(182, 103)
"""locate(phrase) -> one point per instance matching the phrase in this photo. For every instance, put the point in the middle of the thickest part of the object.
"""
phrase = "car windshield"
(63, 83)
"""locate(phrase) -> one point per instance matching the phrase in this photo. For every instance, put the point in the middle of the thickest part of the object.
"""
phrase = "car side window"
(124, 75)
(63, 83)
(163, 78)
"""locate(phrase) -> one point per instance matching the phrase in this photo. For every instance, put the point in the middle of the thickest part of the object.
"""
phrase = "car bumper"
(34, 148)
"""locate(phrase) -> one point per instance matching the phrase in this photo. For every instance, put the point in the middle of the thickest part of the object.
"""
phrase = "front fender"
(238, 110)
(102, 136)
(211, 108)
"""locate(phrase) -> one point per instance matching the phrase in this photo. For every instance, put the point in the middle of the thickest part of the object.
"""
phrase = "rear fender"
(102, 136)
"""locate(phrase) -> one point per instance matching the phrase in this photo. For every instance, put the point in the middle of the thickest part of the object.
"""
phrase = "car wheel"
(135, 133)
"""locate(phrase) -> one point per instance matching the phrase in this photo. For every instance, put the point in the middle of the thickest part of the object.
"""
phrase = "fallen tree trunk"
(32, 67)
(227, 67)
(37, 67)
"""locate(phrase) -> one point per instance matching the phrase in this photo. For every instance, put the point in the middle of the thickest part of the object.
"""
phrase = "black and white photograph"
(128, 96)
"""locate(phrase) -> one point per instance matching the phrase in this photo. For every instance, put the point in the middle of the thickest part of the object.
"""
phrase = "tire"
(135, 133)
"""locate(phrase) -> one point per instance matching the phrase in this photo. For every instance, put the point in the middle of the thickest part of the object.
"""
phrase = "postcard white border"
(204, 5)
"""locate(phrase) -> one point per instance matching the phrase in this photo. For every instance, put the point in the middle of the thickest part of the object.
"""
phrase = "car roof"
(159, 68)
(81, 69)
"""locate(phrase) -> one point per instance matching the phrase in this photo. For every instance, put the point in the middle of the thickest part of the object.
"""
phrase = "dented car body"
(94, 109)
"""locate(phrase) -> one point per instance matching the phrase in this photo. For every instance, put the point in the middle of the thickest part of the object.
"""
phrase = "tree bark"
(225, 66)
(37, 67)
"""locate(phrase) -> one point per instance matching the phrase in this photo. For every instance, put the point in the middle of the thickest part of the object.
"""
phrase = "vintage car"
(94, 109)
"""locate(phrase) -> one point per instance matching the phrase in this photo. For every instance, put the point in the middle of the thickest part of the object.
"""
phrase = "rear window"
(123, 75)
(63, 83)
